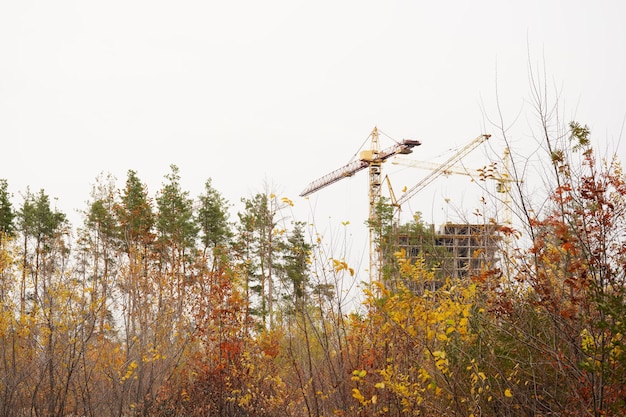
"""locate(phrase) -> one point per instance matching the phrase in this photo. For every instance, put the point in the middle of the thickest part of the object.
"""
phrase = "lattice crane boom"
(486, 173)
(365, 160)
(441, 169)
(502, 177)
(332, 177)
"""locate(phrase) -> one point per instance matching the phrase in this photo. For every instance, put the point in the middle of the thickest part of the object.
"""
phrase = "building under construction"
(456, 250)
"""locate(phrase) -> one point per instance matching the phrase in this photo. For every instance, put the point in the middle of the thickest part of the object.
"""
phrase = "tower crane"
(373, 159)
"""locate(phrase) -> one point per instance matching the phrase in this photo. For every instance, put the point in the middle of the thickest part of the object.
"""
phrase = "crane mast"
(374, 196)
(372, 158)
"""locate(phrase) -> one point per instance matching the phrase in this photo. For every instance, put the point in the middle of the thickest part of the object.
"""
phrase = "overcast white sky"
(283, 92)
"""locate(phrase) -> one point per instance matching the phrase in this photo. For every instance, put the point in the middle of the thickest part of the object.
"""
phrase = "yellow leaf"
(357, 394)
(359, 373)
(439, 354)
(507, 393)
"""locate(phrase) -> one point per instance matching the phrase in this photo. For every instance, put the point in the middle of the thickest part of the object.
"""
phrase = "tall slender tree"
(135, 213)
(8, 351)
(138, 289)
(175, 224)
(296, 266)
(212, 217)
(44, 254)
(7, 232)
(99, 244)
(260, 242)
(7, 214)
(39, 224)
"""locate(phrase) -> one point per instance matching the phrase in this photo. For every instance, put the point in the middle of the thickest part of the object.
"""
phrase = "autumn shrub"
(413, 348)
(556, 325)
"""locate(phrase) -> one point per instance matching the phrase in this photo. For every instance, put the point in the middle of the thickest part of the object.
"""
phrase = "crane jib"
(367, 158)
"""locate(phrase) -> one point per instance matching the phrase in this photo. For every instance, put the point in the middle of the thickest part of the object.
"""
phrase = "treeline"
(163, 306)
(97, 320)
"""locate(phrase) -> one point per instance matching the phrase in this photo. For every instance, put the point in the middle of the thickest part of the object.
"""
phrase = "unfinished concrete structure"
(459, 249)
